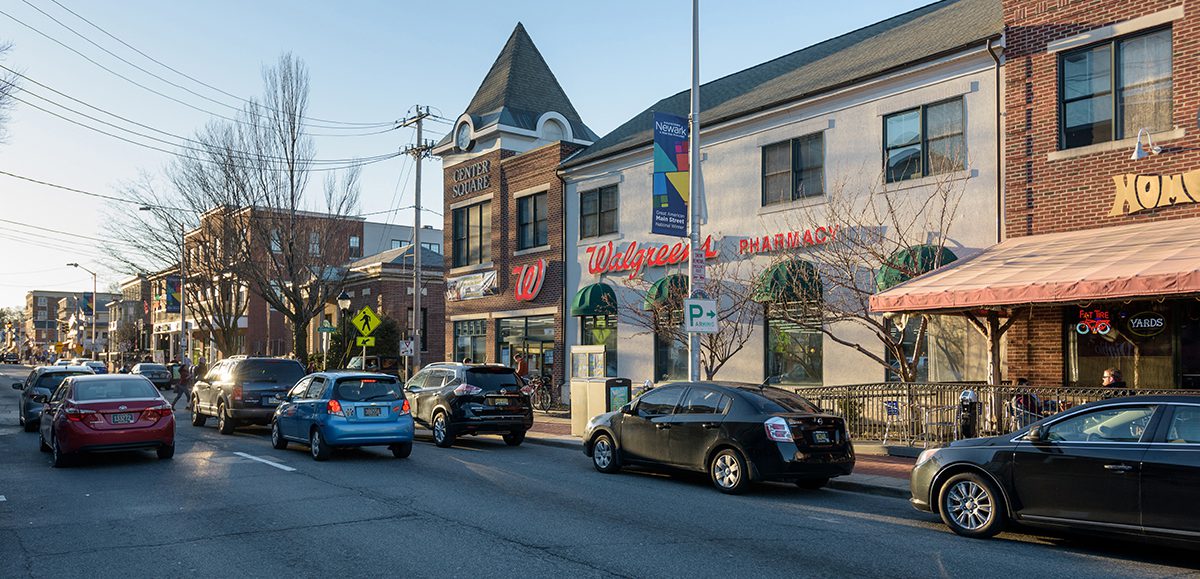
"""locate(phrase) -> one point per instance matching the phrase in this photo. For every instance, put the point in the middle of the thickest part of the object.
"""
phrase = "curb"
(869, 489)
(543, 441)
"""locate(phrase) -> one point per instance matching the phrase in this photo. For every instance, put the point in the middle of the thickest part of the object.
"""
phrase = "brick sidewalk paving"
(890, 466)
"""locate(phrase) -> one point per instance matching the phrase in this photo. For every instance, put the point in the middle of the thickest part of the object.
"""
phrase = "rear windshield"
(278, 371)
(493, 379)
(151, 368)
(778, 400)
(368, 390)
(93, 390)
(52, 380)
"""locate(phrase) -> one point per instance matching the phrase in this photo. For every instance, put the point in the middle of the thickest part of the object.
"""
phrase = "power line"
(61, 233)
(134, 82)
(191, 78)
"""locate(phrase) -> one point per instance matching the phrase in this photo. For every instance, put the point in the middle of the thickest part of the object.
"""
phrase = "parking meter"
(968, 414)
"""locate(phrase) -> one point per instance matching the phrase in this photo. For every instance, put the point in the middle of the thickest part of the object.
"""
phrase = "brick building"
(1101, 263)
(504, 202)
(41, 321)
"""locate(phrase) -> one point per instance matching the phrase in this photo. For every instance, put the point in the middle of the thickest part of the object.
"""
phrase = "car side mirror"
(627, 409)
(18, 386)
(1036, 434)
(40, 398)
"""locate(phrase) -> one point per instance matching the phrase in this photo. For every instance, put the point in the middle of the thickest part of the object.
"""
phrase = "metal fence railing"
(927, 414)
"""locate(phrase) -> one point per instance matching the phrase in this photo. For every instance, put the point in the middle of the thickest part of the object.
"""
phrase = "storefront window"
(1137, 338)
(670, 351)
(470, 340)
(794, 353)
(532, 336)
(601, 331)
(908, 339)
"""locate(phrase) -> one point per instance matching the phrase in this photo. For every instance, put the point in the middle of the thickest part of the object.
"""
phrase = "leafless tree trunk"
(8, 85)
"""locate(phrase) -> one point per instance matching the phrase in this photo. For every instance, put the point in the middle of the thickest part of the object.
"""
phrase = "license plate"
(822, 437)
(269, 400)
(124, 418)
(371, 411)
(499, 401)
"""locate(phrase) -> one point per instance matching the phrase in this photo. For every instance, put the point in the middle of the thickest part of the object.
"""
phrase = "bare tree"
(737, 314)
(882, 238)
(8, 85)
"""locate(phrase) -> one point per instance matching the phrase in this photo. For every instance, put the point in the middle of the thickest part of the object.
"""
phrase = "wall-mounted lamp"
(1140, 153)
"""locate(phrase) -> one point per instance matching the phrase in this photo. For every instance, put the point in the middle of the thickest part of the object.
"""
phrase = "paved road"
(480, 509)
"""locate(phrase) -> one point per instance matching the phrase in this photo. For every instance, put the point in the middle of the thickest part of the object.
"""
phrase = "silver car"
(42, 380)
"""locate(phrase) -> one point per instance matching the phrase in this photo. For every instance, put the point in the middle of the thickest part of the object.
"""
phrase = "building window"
(1110, 90)
(793, 169)
(533, 337)
(424, 328)
(598, 212)
(276, 241)
(355, 246)
(41, 315)
(601, 331)
(470, 340)
(314, 243)
(434, 247)
(41, 301)
(794, 352)
(397, 244)
(472, 226)
(908, 340)
(670, 352)
(533, 221)
(366, 291)
(927, 140)
(1152, 344)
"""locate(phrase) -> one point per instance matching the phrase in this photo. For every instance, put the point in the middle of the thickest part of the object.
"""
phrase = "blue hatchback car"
(327, 410)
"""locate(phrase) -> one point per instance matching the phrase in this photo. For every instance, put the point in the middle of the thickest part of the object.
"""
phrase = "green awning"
(597, 299)
(908, 263)
(794, 280)
(662, 289)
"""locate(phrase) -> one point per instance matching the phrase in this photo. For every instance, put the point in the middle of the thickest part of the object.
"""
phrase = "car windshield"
(94, 390)
(52, 380)
(492, 379)
(770, 400)
(151, 368)
(367, 390)
(285, 372)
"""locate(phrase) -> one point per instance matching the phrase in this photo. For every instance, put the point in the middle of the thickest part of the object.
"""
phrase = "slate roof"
(924, 33)
(401, 256)
(518, 89)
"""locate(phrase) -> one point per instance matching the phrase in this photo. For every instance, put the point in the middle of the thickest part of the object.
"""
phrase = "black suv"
(456, 399)
(242, 390)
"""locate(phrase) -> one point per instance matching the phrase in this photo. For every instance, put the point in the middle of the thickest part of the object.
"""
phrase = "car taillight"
(778, 430)
(404, 408)
(467, 390)
(157, 412)
(237, 393)
(527, 390)
(334, 407)
(81, 415)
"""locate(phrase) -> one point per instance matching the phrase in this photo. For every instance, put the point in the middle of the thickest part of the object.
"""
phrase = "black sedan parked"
(1126, 465)
(158, 374)
(737, 433)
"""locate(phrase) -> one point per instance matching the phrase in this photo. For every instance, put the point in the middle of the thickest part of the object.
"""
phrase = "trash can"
(968, 414)
(617, 393)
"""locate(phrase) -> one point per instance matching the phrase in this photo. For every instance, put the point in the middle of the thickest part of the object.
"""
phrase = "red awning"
(1141, 260)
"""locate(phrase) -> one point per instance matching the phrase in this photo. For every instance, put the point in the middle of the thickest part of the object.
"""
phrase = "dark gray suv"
(243, 390)
(42, 380)
(456, 399)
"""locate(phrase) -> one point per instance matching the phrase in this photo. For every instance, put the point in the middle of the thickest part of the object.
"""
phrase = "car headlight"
(925, 456)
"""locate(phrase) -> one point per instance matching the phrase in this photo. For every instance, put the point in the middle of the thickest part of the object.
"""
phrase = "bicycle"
(542, 394)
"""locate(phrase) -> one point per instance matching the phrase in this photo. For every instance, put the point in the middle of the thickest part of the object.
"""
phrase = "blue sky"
(368, 62)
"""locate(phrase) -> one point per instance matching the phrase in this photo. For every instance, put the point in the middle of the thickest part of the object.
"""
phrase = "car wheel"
(728, 472)
(60, 459)
(604, 455)
(198, 419)
(514, 438)
(443, 435)
(812, 483)
(42, 446)
(401, 450)
(225, 424)
(316, 443)
(971, 506)
(166, 451)
(30, 425)
(278, 442)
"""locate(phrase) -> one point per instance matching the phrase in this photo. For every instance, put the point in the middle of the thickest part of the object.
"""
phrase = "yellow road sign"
(365, 320)
(365, 341)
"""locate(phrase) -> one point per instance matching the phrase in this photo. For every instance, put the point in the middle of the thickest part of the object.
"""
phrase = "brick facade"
(512, 174)
(1052, 190)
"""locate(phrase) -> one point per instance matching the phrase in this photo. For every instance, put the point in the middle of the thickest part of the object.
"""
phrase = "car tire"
(605, 456)
(42, 446)
(812, 484)
(166, 452)
(30, 425)
(278, 442)
(401, 450)
(317, 446)
(443, 433)
(198, 419)
(729, 472)
(225, 424)
(972, 506)
(60, 460)
(514, 438)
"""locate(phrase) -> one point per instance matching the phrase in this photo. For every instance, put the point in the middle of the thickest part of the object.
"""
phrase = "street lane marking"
(282, 467)
(2, 499)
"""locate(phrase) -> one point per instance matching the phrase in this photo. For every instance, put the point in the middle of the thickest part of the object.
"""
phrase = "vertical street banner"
(670, 202)
(173, 294)
(85, 304)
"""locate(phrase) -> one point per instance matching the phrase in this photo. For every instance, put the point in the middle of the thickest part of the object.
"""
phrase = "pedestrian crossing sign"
(365, 320)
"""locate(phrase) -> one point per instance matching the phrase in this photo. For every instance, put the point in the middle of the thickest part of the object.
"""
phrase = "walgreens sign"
(606, 259)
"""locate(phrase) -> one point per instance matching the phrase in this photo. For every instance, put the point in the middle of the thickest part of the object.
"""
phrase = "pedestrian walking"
(184, 387)
(521, 366)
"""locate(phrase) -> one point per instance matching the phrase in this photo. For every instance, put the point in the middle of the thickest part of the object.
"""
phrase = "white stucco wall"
(851, 121)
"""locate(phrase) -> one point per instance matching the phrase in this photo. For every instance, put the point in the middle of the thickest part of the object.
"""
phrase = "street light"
(183, 334)
(343, 302)
(76, 265)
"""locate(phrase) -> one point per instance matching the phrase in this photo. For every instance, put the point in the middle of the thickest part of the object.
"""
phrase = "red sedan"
(106, 413)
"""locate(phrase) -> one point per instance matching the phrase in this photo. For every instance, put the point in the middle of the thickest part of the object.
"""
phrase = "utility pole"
(419, 151)
(696, 271)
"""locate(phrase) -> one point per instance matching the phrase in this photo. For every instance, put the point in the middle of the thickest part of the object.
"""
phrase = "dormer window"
(553, 130)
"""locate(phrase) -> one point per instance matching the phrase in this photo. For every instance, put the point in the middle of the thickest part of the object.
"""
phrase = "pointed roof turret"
(520, 88)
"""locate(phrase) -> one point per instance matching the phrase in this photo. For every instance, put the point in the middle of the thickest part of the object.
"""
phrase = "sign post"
(326, 328)
(365, 321)
(696, 271)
